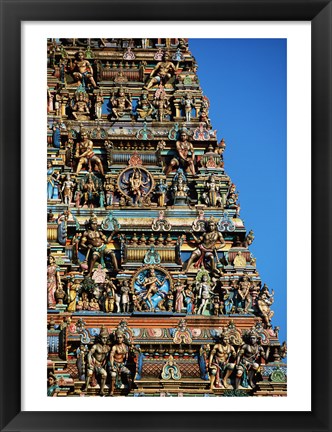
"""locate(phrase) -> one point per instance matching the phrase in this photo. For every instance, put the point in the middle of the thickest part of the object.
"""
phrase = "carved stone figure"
(80, 109)
(243, 294)
(97, 360)
(86, 156)
(161, 190)
(163, 71)
(264, 302)
(121, 105)
(95, 242)
(186, 155)
(248, 361)
(82, 71)
(211, 196)
(179, 289)
(187, 103)
(118, 359)
(204, 292)
(67, 190)
(125, 290)
(53, 281)
(220, 365)
(207, 246)
(99, 100)
(52, 182)
(144, 107)
(73, 288)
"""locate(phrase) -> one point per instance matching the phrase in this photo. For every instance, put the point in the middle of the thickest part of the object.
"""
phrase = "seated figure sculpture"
(94, 242)
(82, 71)
(248, 362)
(220, 365)
(206, 249)
(86, 156)
(117, 363)
(163, 71)
(185, 153)
(97, 360)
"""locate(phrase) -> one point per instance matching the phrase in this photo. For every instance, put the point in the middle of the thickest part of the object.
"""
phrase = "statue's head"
(119, 336)
(103, 335)
(93, 222)
(79, 55)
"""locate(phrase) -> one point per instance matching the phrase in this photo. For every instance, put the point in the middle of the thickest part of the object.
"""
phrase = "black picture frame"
(319, 12)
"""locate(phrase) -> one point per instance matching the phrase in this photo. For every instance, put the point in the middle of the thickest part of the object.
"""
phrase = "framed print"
(152, 282)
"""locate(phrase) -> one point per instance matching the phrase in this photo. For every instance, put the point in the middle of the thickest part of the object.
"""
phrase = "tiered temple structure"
(151, 286)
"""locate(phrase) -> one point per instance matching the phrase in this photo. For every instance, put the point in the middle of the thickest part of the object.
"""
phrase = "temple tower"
(149, 271)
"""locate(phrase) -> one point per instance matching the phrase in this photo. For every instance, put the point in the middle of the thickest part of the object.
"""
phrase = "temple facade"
(152, 289)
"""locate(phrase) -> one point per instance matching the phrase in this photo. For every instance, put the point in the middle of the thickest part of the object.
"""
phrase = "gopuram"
(151, 286)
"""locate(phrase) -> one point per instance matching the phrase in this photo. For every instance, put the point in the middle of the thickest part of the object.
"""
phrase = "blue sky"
(245, 80)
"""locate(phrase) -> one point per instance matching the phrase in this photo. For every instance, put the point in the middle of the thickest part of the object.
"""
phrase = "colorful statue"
(80, 109)
(52, 182)
(220, 365)
(211, 196)
(248, 362)
(82, 71)
(53, 281)
(144, 107)
(52, 385)
(264, 301)
(187, 103)
(162, 73)
(179, 296)
(95, 243)
(205, 291)
(73, 287)
(117, 364)
(186, 155)
(99, 100)
(120, 104)
(86, 156)
(67, 190)
(97, 360)
(207, 246)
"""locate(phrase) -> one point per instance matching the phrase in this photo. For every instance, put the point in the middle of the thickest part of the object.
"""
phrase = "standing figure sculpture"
(161, 190)
(82, 70)
(264, 302)
(207, 246)
(95, 242)
(204, 293)
(163, 71)
(117, 367)
(53, 282)
(186, 155)
(73, 288)
(243, 294)
(136, 186)
(97, 360)
(211, 196)
(220, 364)
(109, 190)
(187, 103)
(151, 285)
(248, 359)
(67, 190)
(125, 290)
(52, 182)
(179, 289)
(86, 156)
(99, 100)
